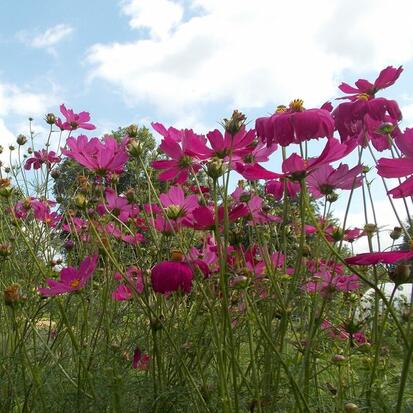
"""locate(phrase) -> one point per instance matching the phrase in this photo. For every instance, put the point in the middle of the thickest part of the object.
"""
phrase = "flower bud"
(132, 130)
(134, 148)
(386, 128)
(11, 148)
(215, 168)
(370, 229)
(5, 187)
(332, 197)
(1, 149)
(12, 294)
(55, 173)
(50, 118)
(338, 359)
(401, 274)
(5, 249)
(235, 123)
(80, 201)
(21, 140)
(351, 408)
(396, 233)
(7, 169)
(239, 282)
(69, 244)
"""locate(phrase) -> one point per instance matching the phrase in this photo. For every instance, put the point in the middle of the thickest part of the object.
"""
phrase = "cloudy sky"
(190, 63)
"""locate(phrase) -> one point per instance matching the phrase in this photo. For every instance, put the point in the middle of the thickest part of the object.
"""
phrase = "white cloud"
(15, 100)
(249, 54)
(51, 36)
(159, 16)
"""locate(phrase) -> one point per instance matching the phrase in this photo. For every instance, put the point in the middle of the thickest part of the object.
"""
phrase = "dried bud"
(5, 249)
(396, 233)
(370, 229)
(21, 140)
(401, 274)
(7, 169)
(55, 173)
(29, 151)
(50, 118)
(177, 255)
(235, 123)
(130, 195)
(12, 294)
(11, 148)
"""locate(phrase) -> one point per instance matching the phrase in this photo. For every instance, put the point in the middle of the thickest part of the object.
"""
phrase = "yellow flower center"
(280, 109)
(297, 105)
(75, 283)
(363, 96)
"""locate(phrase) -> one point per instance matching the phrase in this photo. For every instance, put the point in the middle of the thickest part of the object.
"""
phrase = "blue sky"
(189, 63)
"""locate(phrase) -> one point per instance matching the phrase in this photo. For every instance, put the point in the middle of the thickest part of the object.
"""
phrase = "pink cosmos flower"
(358, 118)
(279, 188)
(325, 179)
(234, 146)
(98, 156)
(295, 124)
(40, 158)
(73, 120)
(41, 211)
(324, 282)
(171, 276)
(140, 360)
(117, 205)
(204, 218)
(185, 151)
(387, 257)
(297, 168)
(175, 203)
(71, 279)
(124, 292)
(396, 168)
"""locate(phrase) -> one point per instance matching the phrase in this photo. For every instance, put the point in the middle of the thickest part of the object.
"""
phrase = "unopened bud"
(21, 140)
(338, 358)
(132, 130)
(240, 281)
(332, 197)
(80, 201)
(134, 148)
(351, 408)
(12, 294)
(5, 249)
(370, 229)
(215, 168)
(11, 148)
(396, 233)
(235, 123)
(50, 118)
(401, 274)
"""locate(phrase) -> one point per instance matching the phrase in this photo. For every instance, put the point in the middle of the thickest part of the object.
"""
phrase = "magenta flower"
(175, 203)
(100, 157)
(185, 151)
(297, 167)
(71, 279)
(233, 146)
(42, 212)
(325, 282)
(140, 360)
(396, 168)
(295, 124)
(386, 78)
(361, 118)
(204, 218)
(325, 179)
(282, 187)
(388, 257)
(117, 205)
(40, 158)
(73, 120)
(171, 276)
(134, 278)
